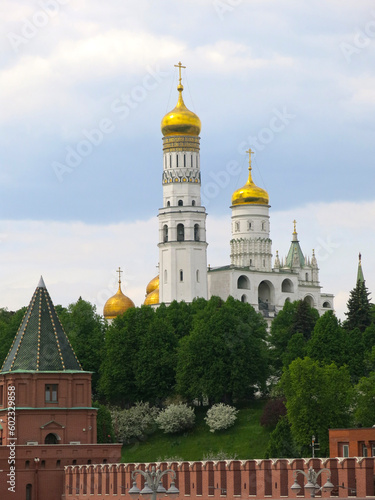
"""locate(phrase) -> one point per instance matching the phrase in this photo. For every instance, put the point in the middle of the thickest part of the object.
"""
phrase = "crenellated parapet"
(226, 478)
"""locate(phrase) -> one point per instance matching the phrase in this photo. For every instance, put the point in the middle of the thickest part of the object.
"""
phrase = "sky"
(84, 86)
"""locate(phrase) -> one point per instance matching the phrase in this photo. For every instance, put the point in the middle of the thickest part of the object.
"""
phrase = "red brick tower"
(52, 392)
(46, 417)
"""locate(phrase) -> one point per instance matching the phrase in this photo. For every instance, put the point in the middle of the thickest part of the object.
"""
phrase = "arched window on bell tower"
(196, 232)
(180, 232)
(165, 233)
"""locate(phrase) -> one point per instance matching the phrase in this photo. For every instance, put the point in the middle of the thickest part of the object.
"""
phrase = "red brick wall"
(43, 467)
(354, 438)
(232, 479)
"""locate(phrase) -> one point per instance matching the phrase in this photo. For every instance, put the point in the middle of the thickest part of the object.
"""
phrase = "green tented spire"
(41, 343)
(360, 276)
(295, 256)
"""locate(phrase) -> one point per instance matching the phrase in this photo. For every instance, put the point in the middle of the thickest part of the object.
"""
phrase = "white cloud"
(39, 85)
(226, 56)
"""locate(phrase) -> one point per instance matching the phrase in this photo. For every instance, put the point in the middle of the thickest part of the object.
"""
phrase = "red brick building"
(46, 417)
(352, 442)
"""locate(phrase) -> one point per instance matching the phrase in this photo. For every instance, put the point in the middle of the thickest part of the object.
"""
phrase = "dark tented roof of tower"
(41, 343)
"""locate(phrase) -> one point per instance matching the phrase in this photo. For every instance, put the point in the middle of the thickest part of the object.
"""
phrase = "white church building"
(251, 276)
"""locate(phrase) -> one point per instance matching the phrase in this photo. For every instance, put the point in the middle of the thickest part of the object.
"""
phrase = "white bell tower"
(182, 220)
(251, 245)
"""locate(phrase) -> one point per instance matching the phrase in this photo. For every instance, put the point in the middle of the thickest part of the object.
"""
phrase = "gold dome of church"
(250, 193)
(152, 292)
(154, 283)
(118, 304)
(180, 121)
(152, 298)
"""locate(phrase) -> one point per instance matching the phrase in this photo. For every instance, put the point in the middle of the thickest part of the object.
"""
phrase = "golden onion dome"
(152, 298)
(180, 121)
(250, 193)
(154, 283)
(117, 305)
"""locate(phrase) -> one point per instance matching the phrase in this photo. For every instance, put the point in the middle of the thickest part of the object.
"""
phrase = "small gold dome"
(154, 283)
(250, 194)
(180, 121)
(152, 298)
(117, 305)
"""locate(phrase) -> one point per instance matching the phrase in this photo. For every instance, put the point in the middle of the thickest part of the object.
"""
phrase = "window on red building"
(51, 393)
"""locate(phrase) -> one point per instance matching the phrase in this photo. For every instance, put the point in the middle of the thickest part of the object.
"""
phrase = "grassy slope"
(246, 439)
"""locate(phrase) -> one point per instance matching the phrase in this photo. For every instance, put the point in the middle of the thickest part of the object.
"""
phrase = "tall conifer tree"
(359, 306)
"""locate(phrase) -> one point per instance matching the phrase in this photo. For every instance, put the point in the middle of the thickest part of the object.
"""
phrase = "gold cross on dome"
(295, 226)
(251, 152)
(179, 66)
(119, 274)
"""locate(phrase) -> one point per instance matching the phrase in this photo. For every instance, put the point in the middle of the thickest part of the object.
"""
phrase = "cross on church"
(295, 226)
(179, 66)
(251, 152)
(119, 274)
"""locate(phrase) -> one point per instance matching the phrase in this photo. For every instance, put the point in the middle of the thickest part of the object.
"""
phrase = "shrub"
(135, 422)
(220, 455)
(105, 433)
(176, 418)
(220, 416)
(274, 409)
(281, 443)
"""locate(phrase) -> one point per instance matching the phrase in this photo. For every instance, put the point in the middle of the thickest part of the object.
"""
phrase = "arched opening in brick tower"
(51, 438)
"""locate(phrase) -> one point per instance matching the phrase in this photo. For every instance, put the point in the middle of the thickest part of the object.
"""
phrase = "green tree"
(304, 319)
(369, 360)
(295, 317)
(179, 316)
(355, 354)
(281, 443)
(86, 331)
(10, 322)
(369, 336)
(213, 361)
(365, 401)
(318, 397)
(117, 372)
(296, 348)
(155, 367)
(328, 341)
(368, 343)
(105, 432)
(359, 313)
